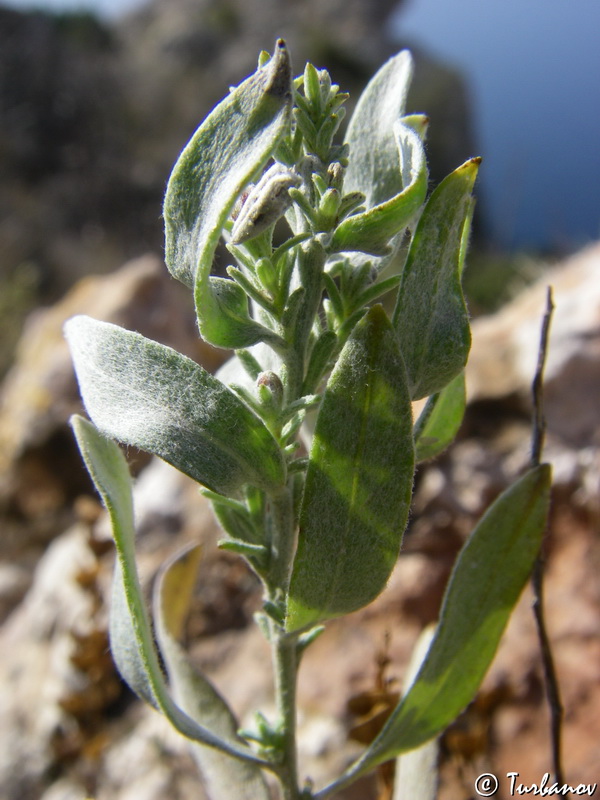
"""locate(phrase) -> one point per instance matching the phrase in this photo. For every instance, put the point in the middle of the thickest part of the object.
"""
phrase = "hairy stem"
(284, 646)
(285, 667)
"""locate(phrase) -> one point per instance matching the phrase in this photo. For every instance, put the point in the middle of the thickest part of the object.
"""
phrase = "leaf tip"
(279, 76)
(76, 422)
(72, 325)
(471, 168)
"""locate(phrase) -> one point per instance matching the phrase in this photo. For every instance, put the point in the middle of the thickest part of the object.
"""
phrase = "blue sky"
(533, 68)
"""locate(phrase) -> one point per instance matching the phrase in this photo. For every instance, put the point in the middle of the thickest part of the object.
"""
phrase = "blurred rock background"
(93, 115)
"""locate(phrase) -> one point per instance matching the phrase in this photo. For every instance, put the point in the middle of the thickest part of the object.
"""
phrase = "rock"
(137, 755)
(505, 347)
(36, 671)
(40, 469)
(69, 726)
(59, 689)
(14, 583)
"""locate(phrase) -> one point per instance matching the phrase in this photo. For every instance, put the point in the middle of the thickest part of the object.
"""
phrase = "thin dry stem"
(537, 580)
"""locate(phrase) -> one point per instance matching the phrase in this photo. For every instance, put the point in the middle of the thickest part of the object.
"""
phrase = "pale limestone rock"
(40, 392)
(35, 670)
(505, 347)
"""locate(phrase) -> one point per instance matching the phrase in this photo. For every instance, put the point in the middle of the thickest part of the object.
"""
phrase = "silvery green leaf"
(128, 645)
(373, 166)
(225, 778)
(147, 395)
(235, 520)
(485, 585)
(358, 482)
(229, 148)
(440, 420)
(131, 637)
(319, 362)
(431, 317)
(372, 230)
(232, 326)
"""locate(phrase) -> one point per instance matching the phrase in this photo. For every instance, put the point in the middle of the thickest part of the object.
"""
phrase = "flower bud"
(270, 387)
(265, 203)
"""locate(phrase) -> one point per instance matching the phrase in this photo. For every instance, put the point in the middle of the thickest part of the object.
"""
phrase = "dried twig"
(537, 444)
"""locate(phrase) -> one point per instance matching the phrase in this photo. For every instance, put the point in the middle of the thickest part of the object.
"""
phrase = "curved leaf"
(359, 480)
(232, 144)
(486, 583)
(373, 166)
(132, 643)
(225, 778)
(232, 324)
(230, 147)
(147, 395)
(431, 317)
(372, 230)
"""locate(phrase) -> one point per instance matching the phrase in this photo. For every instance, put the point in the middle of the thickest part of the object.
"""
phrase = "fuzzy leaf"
(227, 151)
(486, 583)
(232, 326)
(225, 778)
(441, 419)
(431, 316)
(229, 148)
(147, 395)
(359, 480)
(132, 643)
(373, 166)
(372, 230)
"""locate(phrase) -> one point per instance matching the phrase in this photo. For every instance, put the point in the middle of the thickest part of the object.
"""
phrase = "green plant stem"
(286, 667)
(311, 262)
(284, 646)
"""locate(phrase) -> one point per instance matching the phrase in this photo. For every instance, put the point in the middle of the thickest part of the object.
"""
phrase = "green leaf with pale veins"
(132, 642)
(487, 580)
(431, 317)
(440, 420)
(147, 395)
(359, 480)
(224, 777)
